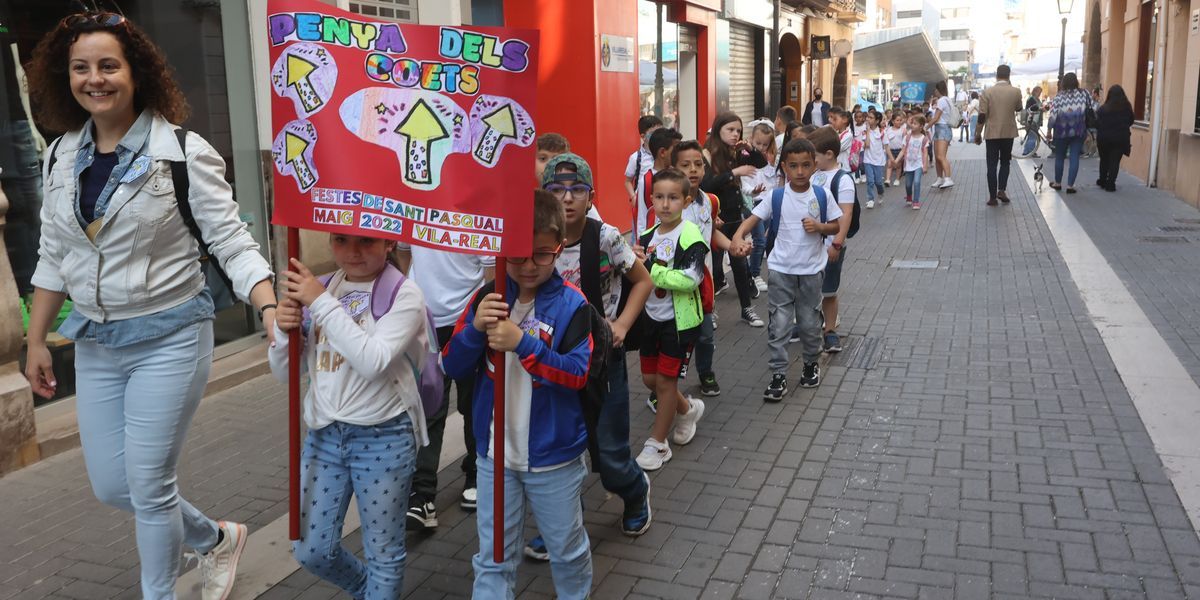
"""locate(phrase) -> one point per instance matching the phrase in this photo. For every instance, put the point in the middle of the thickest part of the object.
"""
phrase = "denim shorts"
(942, 132)
(833, 276)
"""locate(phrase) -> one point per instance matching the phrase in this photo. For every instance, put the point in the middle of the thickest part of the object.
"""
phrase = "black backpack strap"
(50, 162)
(589, 264)
(179, 177)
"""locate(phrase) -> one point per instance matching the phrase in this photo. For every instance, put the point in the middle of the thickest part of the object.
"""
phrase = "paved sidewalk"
(973, 441)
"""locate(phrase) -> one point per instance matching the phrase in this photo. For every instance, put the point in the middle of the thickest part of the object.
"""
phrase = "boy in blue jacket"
(544, 333)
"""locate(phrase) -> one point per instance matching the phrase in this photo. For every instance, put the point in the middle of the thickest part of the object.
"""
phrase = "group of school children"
(571, 310)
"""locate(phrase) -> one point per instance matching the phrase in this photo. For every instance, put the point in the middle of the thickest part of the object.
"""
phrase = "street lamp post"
(1064, 9)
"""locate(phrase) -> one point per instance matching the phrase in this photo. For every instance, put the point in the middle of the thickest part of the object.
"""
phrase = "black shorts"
(665, 350)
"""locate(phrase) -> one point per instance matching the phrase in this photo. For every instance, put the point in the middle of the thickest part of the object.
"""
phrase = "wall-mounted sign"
(616, 53)
(820, 49)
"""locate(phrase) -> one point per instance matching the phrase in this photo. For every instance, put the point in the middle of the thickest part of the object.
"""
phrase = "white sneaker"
(870, 204)
(219, 565)
(937, 183)
(947, 183)
(760, 283)
(654, 455)
(895, 183)
(685, 425)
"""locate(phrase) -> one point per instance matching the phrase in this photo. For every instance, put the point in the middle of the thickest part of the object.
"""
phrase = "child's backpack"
(430, 379)
(855, 149)
(835, 186)
(777, 210)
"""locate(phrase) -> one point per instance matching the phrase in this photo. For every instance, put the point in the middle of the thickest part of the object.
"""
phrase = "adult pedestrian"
(1113, 120)
(998, 107)
(1032, 122)
(972, 115)
(942, 135)
(816, 112)
(114, 241)
(1068, 128)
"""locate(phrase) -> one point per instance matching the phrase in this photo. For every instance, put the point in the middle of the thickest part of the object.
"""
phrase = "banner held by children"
(408, 132)
(405, 132)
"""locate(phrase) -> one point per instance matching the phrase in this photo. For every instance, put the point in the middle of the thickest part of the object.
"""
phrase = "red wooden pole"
(294, 347)
(498, 360)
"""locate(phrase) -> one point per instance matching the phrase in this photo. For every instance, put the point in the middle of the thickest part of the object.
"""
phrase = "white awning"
(1046, 62)
(905, 53)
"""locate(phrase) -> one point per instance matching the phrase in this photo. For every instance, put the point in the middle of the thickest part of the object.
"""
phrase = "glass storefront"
(190, 34)
(658, 63)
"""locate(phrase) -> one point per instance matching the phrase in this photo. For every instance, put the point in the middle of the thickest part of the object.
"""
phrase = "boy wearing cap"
(612, 267)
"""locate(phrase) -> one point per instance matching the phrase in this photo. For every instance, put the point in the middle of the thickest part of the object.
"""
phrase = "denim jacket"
(143, 260)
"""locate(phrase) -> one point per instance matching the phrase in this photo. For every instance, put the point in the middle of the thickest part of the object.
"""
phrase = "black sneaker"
(422, 515)
(777, 389)
(709, 385)
(468, 500)
(751, 317)
(812, 375)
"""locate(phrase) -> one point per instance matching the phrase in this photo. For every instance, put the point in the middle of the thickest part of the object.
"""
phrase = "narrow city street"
(1013, 416)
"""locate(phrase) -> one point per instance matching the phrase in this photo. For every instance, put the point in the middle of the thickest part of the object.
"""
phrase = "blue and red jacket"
(556, 360)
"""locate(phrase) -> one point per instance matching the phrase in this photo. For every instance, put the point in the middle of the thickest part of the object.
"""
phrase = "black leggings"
(741, 268)
(1110, 162)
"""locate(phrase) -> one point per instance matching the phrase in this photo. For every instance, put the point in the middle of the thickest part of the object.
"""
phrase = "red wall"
(597, 111)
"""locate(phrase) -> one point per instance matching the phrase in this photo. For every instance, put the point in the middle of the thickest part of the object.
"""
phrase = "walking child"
(363, 409)
(542, 328)
(840, 120)
(759, 188)
(597, 259)
(895, 142)
(799, 217)
(914, 159)
(840, 189)
(860, 129)
(674, 252)
(635, 170)
(875, 157)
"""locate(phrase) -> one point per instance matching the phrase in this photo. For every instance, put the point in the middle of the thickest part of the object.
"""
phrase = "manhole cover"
(1179, 228)
(1188, 221)
(915, 264)
(1163, 239)
(859, 353)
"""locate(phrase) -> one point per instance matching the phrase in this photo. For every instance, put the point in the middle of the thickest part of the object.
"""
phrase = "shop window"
(1147, 39)
(955, 34)
(403, 11)
(658, 63)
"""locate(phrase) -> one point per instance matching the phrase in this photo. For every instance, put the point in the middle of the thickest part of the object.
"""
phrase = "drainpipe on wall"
(1156, 117)
(776, 79)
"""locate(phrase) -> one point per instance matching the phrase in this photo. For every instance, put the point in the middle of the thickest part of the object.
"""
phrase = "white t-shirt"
(847, 140)
(914, 156)
(768, 177)
(844, 195)
(448, 279)
(351, 358)
(973, 107)
(700, 212)
(876, 154)
(518, 397)
(895, 137)
(616, 259)
(817, 118)
(778, 145)
(663, 247)
(798, 252)
(943, 104)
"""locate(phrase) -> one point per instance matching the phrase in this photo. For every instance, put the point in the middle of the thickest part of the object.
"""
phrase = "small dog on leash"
(1038, 178)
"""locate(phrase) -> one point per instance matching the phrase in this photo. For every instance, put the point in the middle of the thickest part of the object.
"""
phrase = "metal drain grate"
(1179, 228)
(859, 352)
(1162, 239)
(915, 264)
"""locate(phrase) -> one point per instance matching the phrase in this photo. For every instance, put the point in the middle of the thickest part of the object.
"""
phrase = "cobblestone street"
(974, 440)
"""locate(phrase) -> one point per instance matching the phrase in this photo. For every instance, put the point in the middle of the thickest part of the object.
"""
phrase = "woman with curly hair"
(114, 240)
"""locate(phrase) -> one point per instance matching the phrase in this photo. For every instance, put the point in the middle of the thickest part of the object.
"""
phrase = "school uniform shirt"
(638, 173)
(358, 367)
(663, 246)
(876, 153)
(796, 251)
(914, 157)
(847, 139)
(702, 212)
(895, 137)
(448, 279)
(767, 176)
(616, 259)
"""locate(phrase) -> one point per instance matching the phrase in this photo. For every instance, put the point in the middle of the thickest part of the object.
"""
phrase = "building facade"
(1152, 49)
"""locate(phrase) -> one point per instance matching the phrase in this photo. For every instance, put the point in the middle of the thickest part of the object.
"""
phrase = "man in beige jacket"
(998, 108)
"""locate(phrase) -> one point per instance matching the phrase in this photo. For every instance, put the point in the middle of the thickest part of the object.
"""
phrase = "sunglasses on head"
(91, 17)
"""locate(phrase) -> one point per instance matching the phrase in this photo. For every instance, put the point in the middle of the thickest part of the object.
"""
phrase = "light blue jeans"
(874, 180)
(912, 184)
(974, 125)
(375, 464)
(1062, 148)
(553, 497)
(134, 406)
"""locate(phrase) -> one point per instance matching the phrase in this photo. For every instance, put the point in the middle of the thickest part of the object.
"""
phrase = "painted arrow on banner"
(296, 146)
(499, 126)
(422, 128)
(298, 71)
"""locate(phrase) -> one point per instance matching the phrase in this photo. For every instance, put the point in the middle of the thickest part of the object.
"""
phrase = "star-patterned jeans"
(374, 463)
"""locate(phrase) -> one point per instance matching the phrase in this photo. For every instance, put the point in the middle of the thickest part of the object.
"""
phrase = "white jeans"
(134, 406)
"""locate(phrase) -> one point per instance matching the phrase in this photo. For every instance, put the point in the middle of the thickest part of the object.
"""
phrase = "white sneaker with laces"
(654, 455)
(762, 284)
(937, 183)
(870, 204)
(219, 565)
(895, 183)
(947, 183)
(685, 425)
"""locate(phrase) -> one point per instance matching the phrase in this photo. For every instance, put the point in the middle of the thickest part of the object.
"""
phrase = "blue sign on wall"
(912, 91)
